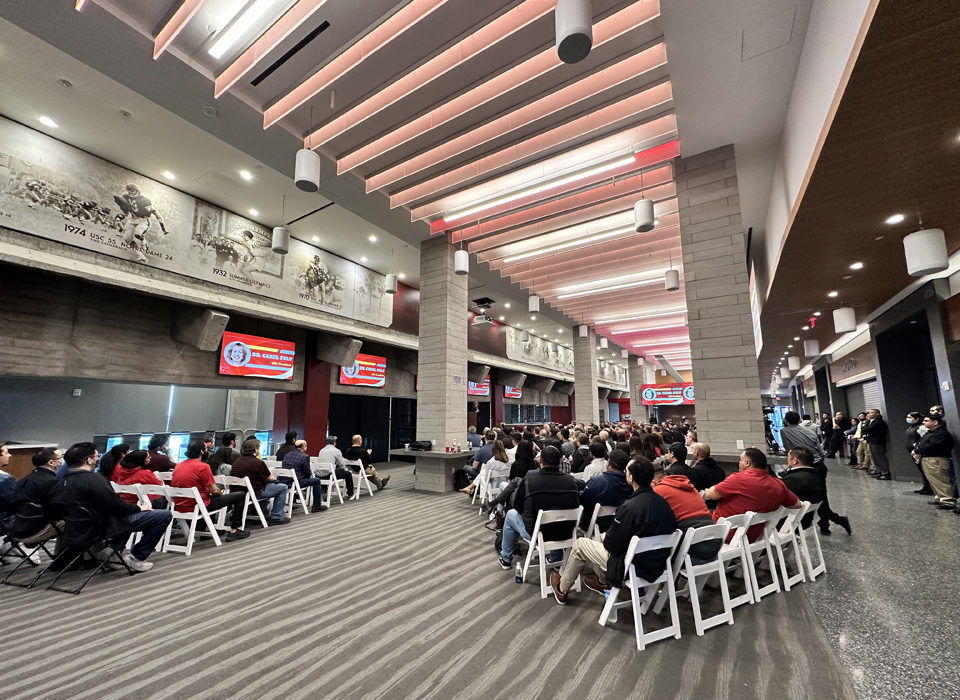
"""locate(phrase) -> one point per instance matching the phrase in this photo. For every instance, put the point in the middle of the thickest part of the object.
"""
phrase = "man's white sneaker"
(137, 564)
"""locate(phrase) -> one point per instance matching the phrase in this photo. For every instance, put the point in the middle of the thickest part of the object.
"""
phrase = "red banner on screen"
(252, 356)
(479, 388)
(368, 370)
(512, 392)
(666, 394)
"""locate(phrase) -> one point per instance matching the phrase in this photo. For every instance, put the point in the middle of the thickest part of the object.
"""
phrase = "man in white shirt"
(599, 463)
(331, 454)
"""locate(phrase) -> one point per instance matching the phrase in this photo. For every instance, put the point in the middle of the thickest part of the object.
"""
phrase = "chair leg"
(526, 563)
(637, 616)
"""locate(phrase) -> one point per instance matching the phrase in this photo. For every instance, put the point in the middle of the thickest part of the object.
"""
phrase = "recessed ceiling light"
(170, 176)
(507, 305)
(848, 277)
(878, 238)
(533, 318)
(402, 276)
(816, 313)
(560, 331)
(832, 295)
(856, 266)
(47, 121)
(501, 318)
(363, 258)
(805, 328)
(372, 238)
(789, 346)
(254, 212)
(519, 325)
(894, 219)
(316, 239)
(246, 175)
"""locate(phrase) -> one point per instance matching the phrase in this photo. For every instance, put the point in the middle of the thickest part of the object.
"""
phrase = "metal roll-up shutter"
(855, 401)
(871, 394)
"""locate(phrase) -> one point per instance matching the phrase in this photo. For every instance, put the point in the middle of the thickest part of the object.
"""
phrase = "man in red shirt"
(752, 488)
(194, 472)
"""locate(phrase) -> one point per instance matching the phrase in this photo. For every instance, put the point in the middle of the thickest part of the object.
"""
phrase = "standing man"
(875, 433)
(933, 451)
(914, 419)
(826, 430)
(841, 424)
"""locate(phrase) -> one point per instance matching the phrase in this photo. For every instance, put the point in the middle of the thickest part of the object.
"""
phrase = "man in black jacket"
(677, 461)
(33, 520)
(706, 471)
(875, 433)
(644, 514)
(117, 518)
(809, 484)
(581, 456)
(546, 488)
(933, 451)
(289, 445)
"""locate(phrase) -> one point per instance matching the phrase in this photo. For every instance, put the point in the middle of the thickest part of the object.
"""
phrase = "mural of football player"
(139, 211)
(248, 253)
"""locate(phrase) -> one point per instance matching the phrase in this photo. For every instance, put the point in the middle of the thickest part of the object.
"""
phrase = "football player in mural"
(139, 211)
(319, 283)
(35, 192)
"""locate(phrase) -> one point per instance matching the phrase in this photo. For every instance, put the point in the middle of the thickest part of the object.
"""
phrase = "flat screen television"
(177, 446)
(253, 356)
(113, 441)
(512, 392)
(667, 394)
(367, 370)
(144, 442)
(265, 445)
(479, 388)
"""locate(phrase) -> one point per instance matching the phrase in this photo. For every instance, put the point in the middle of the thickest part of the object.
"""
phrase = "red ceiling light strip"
(484, 39)
(604, 31)
(268, 41)
(555, 101)
(172, 29)
(623, 110)
(390, 29)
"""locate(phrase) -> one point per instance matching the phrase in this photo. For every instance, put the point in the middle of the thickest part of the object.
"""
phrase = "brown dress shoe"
(595, 584)
(558, 595)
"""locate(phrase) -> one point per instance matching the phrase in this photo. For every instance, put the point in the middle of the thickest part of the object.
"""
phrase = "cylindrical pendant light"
(533, 303)
(624, 354)
(844, 320)
(793, 362)
(574, 27)
(671, 280)
(584, 331)
(811, 348)
(281, 240)
(643, 215)
(391, 284)
(307, 172)
(639, 362)
(784, 373)
(926, 252)
(603, 343)
(461, 262)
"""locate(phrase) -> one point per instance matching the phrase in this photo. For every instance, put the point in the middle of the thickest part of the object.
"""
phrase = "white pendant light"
(811, 348)
(307, 172)
(784, 373)
(643, 215)
(793, 363)
(533, 303)
(624, 354)
(844, 320)
(584, 331)
(603, 343)
(391, 284)
(281, 240)
(925, 251)
(461, 262)
(639, 362)
(671, 280)
(574, 26)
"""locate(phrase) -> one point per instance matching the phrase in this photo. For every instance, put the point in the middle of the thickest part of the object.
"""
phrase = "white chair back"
(540, 545)
(359, 477)
(230, 483)
(786, 536)
(807, 536)
(187, 520)
(761, 546)
(293, 492)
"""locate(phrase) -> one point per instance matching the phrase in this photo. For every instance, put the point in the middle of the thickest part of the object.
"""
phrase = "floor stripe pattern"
(397, 595)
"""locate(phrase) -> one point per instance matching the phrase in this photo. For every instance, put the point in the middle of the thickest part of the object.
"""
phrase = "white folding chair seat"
(187, 520)
(599, 511)
(242, 484)
(639, 545)
(787, 536)
(359, 478)
(697, 575)
(293, 492)
(537, 545)
(165, 477)
(733, 551)
(806, 535)
(761, 546)
(328, 478)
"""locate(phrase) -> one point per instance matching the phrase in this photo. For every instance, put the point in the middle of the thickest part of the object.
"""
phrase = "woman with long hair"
(132, 470)
(498, 468)
(110, 460)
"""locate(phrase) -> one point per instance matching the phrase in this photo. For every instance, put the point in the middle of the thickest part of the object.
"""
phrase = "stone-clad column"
(716, 278)
(586, 374)
(442, 361)
(636, 379)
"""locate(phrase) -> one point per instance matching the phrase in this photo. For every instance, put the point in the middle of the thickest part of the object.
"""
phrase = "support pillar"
(242, 407)
(636, 379)
(586, 375)
(726, 383)
(306, 411)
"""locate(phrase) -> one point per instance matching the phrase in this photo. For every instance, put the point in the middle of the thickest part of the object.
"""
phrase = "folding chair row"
(294, 492)
(328, 478)
(242, 484)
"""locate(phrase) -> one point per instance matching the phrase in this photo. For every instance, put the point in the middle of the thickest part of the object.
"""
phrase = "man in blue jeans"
(298, 460)
(264, 483)
(546, 488)
(117, 518)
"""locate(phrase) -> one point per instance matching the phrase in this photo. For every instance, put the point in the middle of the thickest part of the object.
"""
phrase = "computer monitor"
(132, 439)
(143, 441)
(101, 442)
(177, 447)
(264, 437)
(113, 441)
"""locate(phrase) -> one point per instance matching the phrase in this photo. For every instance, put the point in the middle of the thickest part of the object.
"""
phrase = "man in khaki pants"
(934, 450)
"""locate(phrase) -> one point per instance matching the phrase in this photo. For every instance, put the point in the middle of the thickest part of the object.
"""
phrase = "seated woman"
(498, 469)
(110, 460)
(131, 470)
(524, 463)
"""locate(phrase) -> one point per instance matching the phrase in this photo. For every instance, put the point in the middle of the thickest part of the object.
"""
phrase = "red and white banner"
(666, 394)
(367, 370)
(253, 356)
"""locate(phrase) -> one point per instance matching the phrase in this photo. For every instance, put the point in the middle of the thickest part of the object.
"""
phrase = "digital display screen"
(512, 392)
(666, 394)
(177, 447)
(113, 441)
(479, 388)
(367, 370)
(252, 356)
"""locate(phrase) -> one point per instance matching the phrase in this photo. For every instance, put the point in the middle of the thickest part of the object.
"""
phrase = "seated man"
(81, 487)
(33, 520)
(289, 445)
(706, 471)
(356, 452)
(483, 455)
(331, 454)
(220, 461)
(644, 514)
(473, 439)
(193, 471)
(543, 489)
(690, 510)
(8, 484)
(264, 483)
(598, 464)
(582, 455)
(809, 484)
(609, 488)
(158, 447)
(298, 460)
(752, 488)
(676, 462)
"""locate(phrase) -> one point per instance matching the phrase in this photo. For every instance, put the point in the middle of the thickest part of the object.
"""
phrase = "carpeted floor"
(397, 596)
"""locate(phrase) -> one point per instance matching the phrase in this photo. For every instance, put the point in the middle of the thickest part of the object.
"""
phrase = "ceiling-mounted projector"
(482, 320)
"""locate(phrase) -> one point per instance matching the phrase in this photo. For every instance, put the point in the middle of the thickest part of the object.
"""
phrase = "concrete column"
(242, 405)
(635, 379)
(586, 374)
(442, 362)
(725, 374)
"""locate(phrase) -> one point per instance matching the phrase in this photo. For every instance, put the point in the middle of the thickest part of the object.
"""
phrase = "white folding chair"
(151, 492)
(481, 480)
(810, 533)
(786, 536)
(227, 482)
(639, 545)
(165, 477)
(293, 492)
(132, 490)
(599, 511)
(495, 475)
(697, 575)
(187, 520)
(733, 550)
(359, 478)
(762, 545)
(539, 546)
(328, 477)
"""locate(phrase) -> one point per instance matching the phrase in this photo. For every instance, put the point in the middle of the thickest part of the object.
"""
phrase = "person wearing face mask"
(915, 431)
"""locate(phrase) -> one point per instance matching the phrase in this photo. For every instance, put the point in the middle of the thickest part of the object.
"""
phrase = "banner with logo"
(666, 394)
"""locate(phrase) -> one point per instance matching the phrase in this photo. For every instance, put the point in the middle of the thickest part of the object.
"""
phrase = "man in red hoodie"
(689, 508)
